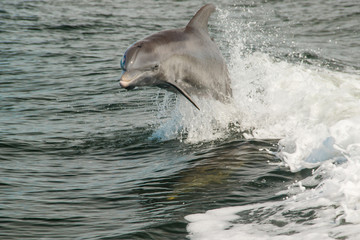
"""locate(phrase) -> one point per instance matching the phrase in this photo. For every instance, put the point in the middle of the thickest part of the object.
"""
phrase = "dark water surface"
(81, 158)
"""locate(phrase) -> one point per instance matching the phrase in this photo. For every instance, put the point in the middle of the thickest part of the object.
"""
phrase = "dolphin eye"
(122, 62)
(155, 67)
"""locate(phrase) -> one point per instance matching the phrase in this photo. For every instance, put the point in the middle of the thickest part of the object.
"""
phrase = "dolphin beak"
(124, 84)
(127, 79)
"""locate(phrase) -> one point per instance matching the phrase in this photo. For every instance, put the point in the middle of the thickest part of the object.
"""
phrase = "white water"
(315, 112)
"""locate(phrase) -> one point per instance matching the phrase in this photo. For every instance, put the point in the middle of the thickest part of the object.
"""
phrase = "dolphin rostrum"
(183, 60)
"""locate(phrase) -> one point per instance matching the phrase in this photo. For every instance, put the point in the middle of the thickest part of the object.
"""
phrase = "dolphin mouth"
(126, 85)
(128, 80)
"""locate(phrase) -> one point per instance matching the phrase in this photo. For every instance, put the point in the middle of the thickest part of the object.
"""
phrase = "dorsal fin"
(200, 20)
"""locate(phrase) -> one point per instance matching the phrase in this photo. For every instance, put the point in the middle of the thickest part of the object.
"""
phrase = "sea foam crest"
(315, 114)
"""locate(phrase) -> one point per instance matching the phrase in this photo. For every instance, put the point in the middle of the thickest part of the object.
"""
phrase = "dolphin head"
(140, 66)
(142, 63)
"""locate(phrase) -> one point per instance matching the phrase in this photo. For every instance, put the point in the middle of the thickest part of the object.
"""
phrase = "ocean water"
(82, 158)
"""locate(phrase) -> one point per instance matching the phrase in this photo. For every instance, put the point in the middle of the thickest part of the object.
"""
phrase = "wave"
(314, 111)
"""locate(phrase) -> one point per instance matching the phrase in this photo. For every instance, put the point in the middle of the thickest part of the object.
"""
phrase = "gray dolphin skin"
(184, 61)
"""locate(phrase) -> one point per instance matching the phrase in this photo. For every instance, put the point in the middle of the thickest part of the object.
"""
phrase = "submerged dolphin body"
(182, 60)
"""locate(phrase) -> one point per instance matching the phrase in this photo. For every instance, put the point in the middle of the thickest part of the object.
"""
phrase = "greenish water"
(83, 159)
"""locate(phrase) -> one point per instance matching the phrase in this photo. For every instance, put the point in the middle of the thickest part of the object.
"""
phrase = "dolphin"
(185, 61)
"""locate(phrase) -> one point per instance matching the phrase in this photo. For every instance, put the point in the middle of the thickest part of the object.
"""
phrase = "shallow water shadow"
(228, 174)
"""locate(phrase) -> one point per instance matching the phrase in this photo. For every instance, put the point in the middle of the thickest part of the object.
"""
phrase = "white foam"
(316, 115)
(315, 112)
(185, 122)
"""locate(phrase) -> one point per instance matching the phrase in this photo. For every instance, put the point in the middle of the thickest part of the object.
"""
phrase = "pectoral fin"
(185, 94)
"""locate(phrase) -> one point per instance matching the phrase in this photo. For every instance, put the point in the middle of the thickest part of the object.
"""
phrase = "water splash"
(188, 124)
(315, 113)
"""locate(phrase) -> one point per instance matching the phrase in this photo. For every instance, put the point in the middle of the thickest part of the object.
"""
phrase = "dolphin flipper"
(185, 94)
(201, 18)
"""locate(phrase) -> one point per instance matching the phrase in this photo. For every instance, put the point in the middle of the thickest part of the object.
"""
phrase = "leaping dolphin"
(183, 60)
